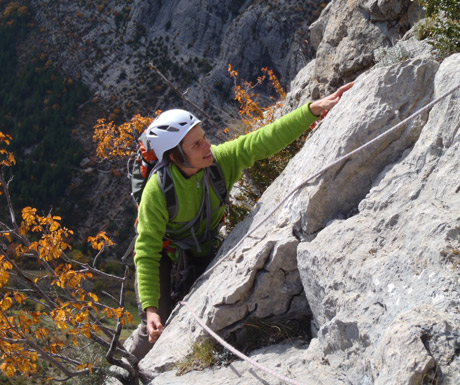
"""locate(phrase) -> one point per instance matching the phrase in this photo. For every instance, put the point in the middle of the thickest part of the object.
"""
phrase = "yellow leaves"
(52, 243)
(88, 366)
(56, 346)
(19, 297)
(61, 317)
(5, 264)
(93, 296)
(232, 72)
(118, 141)
(252, 113)
(10, 9)
(86, 331)
(68, 278)
(8, 369)
(28, 216)
(23, 362)
(54, 289)
(36, 223)
(276, 84)
(42, 333)
(120, 313)
(100, 240)
(5, 303)
(81, 317)
(128, 317)
(4, 277)
(7, 158)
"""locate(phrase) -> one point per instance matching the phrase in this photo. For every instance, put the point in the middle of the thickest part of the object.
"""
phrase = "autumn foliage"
(119, 141)
(50, 313)
(253, 114)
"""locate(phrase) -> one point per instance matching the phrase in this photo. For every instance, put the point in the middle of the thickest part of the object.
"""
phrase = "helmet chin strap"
(185, 162)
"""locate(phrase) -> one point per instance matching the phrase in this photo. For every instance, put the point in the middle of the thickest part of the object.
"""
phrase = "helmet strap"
(185, 162)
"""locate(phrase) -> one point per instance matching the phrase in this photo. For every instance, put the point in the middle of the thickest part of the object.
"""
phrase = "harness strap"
(204, 214)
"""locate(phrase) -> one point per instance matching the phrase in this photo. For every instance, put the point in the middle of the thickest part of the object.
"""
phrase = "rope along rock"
(235, 351)
(323, 170)
(292, 192)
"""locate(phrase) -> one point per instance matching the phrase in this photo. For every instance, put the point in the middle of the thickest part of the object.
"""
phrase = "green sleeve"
(241, 153)
(153, 217)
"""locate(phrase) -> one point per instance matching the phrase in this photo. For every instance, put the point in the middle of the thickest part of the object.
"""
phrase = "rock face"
(110, 44)
(347, 33)
(386, 287)
(369, 250)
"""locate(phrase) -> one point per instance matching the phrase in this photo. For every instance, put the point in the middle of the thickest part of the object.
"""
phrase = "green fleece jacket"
(232, 156)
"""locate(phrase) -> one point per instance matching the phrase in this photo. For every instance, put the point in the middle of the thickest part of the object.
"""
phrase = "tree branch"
(183, 96)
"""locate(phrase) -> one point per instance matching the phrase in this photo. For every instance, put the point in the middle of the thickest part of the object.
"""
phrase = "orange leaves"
(93, 296)
(19, 297)
(100, 240)
(52, 242)
(7, 158)
(124, 316)
(66, 314)
(118, 141)
(88, 366)
(28, 215)
(5, 303)
(24, 363)
(276, 84)
(42, 333)
(233, 73)
(8, 369)
(5, 265)
(71, 279)
(253, 114)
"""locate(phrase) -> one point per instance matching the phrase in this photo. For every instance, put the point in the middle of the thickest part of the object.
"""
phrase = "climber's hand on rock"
(154, 325)
(330, 101)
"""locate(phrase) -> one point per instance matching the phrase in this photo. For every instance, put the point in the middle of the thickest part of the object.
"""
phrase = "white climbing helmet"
(166, 131)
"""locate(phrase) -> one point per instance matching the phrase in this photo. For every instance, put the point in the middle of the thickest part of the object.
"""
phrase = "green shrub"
(442, 25)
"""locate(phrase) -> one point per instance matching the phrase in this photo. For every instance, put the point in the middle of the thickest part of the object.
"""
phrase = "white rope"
(235, 351)
(323, 170)
(295, 189)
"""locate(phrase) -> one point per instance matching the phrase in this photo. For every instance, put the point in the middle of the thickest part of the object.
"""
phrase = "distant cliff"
(109, 46)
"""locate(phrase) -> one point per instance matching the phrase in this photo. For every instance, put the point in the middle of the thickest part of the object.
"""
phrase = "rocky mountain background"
(362, 263)
(109, 45)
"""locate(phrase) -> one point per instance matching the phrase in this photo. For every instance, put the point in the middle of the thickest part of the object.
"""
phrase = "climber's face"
(197, 149)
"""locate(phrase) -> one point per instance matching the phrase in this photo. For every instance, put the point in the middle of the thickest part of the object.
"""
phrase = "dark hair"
(177, 155)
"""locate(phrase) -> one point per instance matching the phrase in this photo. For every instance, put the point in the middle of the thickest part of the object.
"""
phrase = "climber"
(189, 239)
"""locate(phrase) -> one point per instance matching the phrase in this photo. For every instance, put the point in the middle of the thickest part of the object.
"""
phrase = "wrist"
(315, 109)
(150, 309)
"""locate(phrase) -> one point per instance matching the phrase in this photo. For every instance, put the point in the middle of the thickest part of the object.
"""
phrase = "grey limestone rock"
(374, 240)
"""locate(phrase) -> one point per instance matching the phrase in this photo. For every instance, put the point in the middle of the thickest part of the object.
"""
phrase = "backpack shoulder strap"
(166, 183)
(217, 180)
(168, 189)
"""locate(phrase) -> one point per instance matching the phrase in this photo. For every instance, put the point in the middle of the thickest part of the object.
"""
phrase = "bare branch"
(117, 334)
(6, 189)
(87, 268)
(183, 96)
(31, 283)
